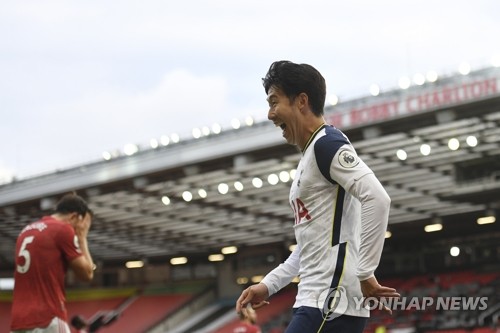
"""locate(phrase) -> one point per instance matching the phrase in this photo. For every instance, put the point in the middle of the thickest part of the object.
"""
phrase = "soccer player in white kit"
(341, 213)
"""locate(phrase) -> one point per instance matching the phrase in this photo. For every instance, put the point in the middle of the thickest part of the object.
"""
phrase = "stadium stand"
(4, 312)
(139, 316)
(128, 310)
(269, 315)
(141, 213)
(452, 310)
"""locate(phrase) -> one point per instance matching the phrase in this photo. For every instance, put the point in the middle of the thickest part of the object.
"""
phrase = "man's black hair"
(293, 79)
(73, 203)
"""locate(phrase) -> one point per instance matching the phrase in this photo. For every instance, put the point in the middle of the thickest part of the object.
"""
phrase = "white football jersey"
(341, 213)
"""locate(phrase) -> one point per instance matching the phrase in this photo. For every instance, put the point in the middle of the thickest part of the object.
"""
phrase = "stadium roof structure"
(231, 188)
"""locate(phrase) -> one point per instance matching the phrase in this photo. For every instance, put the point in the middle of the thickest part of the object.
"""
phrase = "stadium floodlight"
(453, 144)
(284, 176)
(433, 227)
(488, 218)
(130, 149)
(425, 149)
(464, 68)
(495, 60)
(165, 200)
(292, 247)
(202, 193)
(178, 261)
(388, 234)
(454, 251)
(187, 196)
(333, 99)
(249, 121)
(292, 173)
(273, 179)
(154, 143)
(205, 131)
(257, 182)
(216, 257)
(106, 155)
(374, 90)
(257, 278)
(404, 83)
(431, 76)
(401, 154)
(196, 132)
(134, 264)
(175, 137)
(238, 186)
(223, 188)
(471, 141)
(229, 250)
(419, 79)
(6, 177)
(6, 283)
(164, 140)
(242, 280)
(235, 123)
(216, 128)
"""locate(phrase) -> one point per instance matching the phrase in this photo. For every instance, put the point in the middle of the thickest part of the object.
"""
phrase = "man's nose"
(270, 115)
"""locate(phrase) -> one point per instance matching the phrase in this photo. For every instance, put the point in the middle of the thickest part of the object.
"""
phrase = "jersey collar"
(312, 137)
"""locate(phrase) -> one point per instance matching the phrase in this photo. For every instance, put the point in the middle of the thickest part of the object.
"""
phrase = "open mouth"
(280, 125)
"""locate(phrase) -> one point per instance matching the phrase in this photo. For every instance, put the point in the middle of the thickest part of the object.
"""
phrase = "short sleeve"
(347, 167)
(68, 243)
(338, 162)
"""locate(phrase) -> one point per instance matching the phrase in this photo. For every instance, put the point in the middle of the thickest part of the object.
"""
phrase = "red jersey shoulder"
(246, 328)
(68, 241)
(61, 233)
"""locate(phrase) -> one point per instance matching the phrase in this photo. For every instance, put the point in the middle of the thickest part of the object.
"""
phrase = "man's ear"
(75, 217)
(302, 101)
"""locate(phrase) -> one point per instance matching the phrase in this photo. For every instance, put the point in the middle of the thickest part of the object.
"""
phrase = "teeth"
(281, 125)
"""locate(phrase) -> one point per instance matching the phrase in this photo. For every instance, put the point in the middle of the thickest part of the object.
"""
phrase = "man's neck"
(60, 217)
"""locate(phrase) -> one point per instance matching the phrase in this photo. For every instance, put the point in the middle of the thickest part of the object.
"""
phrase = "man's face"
(284, 113)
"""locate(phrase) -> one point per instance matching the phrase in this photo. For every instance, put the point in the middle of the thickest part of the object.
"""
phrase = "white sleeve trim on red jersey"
(375, 206)
(282, 275)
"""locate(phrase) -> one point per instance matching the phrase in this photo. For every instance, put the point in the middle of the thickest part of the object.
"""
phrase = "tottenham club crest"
(348, 159)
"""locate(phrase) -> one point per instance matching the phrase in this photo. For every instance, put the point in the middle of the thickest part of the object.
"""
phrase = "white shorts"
(57, 325)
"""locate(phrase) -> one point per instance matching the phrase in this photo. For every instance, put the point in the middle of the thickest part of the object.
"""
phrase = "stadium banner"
(371, 110)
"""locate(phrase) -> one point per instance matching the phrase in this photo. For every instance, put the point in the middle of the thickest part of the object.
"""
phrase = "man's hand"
(82, 226)
(254, 295)
(372, 289)
(83, 266)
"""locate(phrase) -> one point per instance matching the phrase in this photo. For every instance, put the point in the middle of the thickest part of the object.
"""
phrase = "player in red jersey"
(45, 249)
(248, 319)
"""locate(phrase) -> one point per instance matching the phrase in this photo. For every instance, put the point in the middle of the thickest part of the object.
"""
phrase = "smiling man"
(341, 213)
